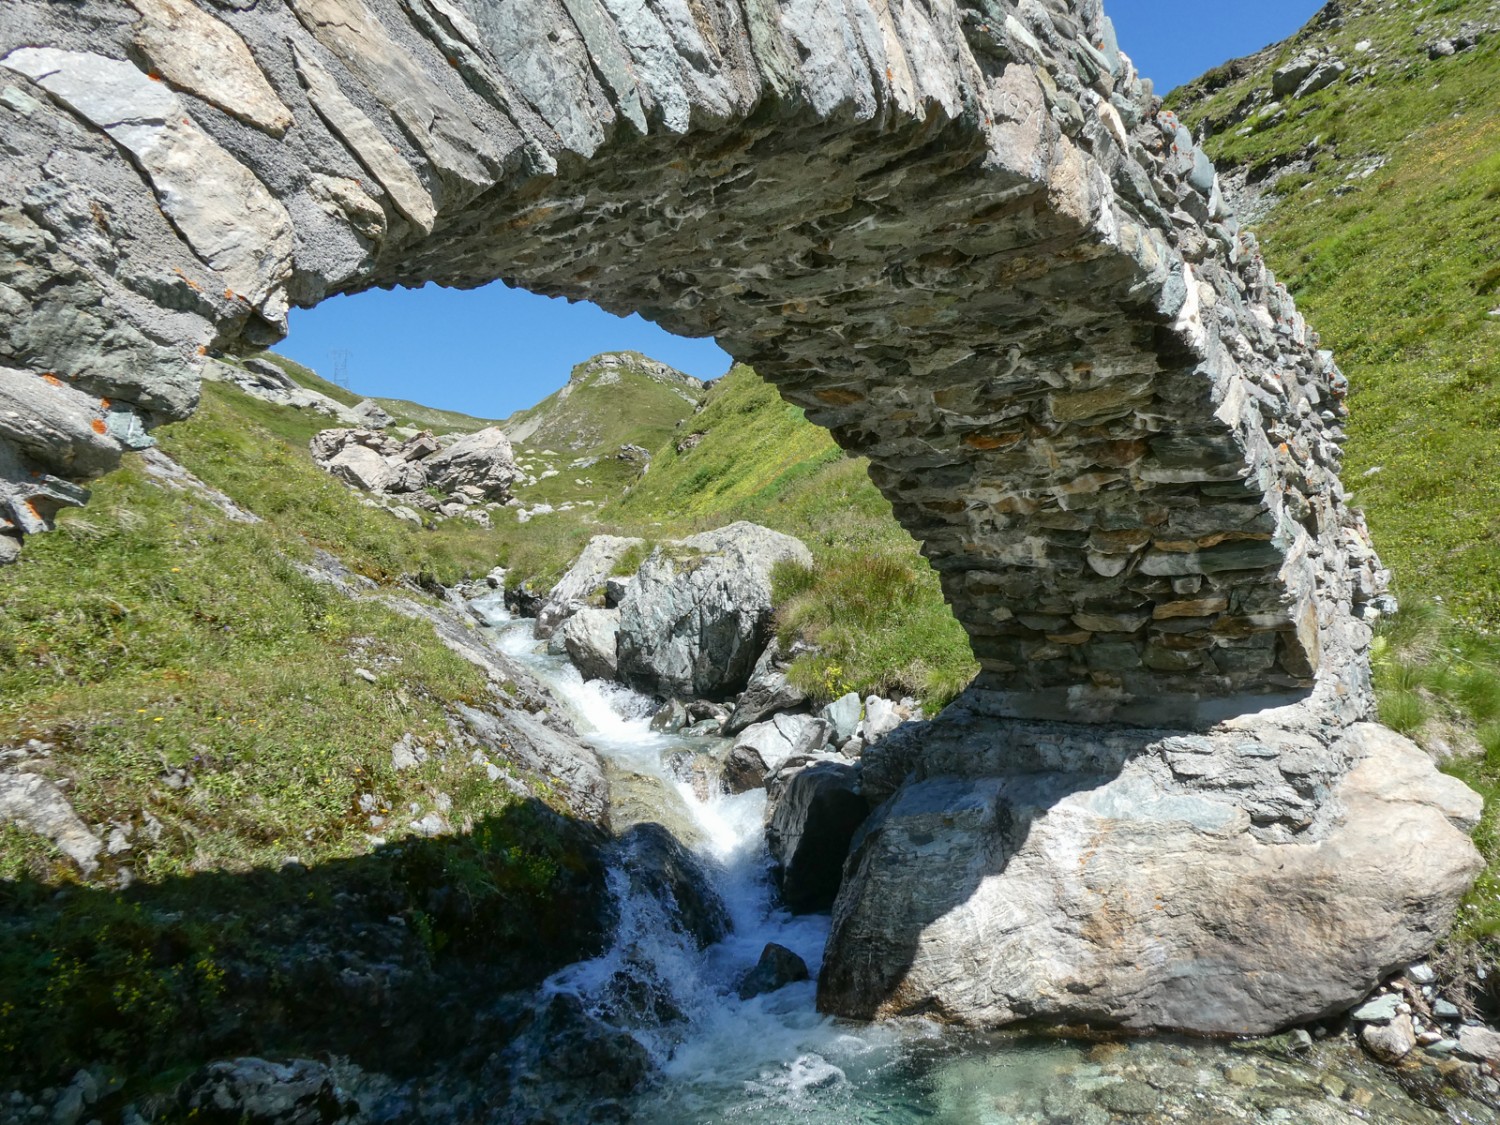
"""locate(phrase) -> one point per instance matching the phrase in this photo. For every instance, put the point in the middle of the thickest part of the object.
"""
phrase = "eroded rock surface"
(1128, 894)
(699, 611)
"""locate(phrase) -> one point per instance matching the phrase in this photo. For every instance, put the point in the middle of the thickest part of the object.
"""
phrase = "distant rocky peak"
(606, 368)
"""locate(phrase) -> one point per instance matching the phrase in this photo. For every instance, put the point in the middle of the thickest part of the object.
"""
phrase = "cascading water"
(774, 1059)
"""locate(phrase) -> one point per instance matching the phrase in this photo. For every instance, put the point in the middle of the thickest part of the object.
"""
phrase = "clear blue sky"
(493, 351)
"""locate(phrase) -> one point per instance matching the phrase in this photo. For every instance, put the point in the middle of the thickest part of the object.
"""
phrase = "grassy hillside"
(1381, 201)
(1387, 230)
(422, 417)
(570, 442)
(211, 707)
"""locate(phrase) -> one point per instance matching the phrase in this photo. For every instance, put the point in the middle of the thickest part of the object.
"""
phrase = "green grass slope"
(569, 443)
(1381, 212)
(195, 690)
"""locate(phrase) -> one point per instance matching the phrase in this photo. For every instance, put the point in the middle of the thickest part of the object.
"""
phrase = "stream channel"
(775, 1059)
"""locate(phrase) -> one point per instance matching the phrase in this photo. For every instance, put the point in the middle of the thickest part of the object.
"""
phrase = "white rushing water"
(773, 1056)
(774, 1059)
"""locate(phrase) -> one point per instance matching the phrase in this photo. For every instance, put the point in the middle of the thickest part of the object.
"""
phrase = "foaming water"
(773, 1060)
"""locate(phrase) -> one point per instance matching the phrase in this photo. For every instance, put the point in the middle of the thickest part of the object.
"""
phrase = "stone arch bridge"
(960, 234)
(964, 237)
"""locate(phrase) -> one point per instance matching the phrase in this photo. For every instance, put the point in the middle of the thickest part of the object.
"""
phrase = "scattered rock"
(1382, 1009)
(1389, 1042)
(778, 967)
(251, 1091)
(31, 802)
(670, 717)
(844, 714)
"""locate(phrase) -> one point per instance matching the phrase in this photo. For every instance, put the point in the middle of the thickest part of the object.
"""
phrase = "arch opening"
(965, 240)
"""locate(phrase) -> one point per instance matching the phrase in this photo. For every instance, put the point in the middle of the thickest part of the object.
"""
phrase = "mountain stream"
(775, 1059)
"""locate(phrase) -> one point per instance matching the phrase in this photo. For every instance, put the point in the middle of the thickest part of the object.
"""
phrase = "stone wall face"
(958, 232)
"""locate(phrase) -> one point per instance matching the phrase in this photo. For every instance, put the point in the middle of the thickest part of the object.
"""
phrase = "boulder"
(563, 1043)
(253, 1091)
(483, 459)
(1136, 897)
(783, 737)
(744, 770)
(778, 967)
(418, 446)
(1390, 1042)
(589, 638)
(767, 692)
(362, 467)
(406, 476)
(371, 413)
(1286, 78)
(584, 579)
(810, 833)
(699, 611)
(843, 713)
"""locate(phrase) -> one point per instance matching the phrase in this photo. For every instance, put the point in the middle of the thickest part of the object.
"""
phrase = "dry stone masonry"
(960, 233)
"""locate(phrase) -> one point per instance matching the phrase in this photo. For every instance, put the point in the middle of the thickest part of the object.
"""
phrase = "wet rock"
(1389, 1042)
(699, 611)
(590, 638)
(580, 585)
(670, 717)
(568, 1066)
(658, 865)
(744, 770)
(778, 967)
(809, 835)
(251, 1091)
(1132, 1099)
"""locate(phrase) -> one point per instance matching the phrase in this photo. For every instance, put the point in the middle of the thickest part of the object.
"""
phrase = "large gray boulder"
(1131, 898)
(362, 467)
(783, 737)
(483, 460)
(699, 611)
(584, 579)
(590, 639)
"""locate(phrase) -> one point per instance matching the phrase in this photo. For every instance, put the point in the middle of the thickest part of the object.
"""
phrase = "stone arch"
(959, 233)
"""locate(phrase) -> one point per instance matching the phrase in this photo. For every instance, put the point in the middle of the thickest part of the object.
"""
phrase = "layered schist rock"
(961, 235)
